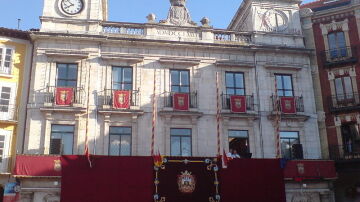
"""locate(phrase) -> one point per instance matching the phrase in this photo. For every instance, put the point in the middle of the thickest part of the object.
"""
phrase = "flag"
(158, 159)
(225, 160)
(238, 104)
(121, 99)
(11, 192)
(181, 101)
(64, 96)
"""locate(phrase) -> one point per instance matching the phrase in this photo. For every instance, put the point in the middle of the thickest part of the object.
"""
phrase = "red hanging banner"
(238, 104)
(121, 99)
(288, 105)
(181, 101)
(64, 96)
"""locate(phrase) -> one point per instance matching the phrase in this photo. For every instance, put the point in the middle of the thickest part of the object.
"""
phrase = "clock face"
(275, 20)
(72, 7)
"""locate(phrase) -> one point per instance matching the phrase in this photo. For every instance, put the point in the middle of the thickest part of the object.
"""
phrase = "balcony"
(299, 103)
(341, 56)
(75, 104)
(8, 113)
(168, 99)
(289, 107)
(350, 152)
(5, 70)
(107, 98)
(225, 101)
(345, 102)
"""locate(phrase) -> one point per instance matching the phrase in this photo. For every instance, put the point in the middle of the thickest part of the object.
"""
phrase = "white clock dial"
(72, 7)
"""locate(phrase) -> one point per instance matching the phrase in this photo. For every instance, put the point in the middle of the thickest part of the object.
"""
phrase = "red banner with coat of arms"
(238, 104)
(121, 99)
(64, 96)
(181, 101)
(288, 105)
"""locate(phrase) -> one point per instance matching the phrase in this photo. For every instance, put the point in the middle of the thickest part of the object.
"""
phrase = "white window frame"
(5, 156)
(9, 115)
(2, 60)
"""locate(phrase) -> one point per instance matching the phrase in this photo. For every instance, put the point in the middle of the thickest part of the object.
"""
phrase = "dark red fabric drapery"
(288, 105)
(201, 178)
(37, 166)
(252, 180)
(111, 179)
(238, 103)
(121, 99)
(64, 96)
(181, 101)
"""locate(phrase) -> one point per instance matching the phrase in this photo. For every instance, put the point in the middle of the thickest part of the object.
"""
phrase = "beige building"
(81, 61)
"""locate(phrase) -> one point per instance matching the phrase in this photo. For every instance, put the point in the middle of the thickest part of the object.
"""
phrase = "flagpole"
(277, 121)
(86, 150)
(153, 116)
(218, 114)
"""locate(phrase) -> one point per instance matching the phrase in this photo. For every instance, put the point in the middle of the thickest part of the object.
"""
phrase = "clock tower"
(73, 15)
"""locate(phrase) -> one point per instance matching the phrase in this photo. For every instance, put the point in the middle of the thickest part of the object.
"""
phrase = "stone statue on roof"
(178, 14)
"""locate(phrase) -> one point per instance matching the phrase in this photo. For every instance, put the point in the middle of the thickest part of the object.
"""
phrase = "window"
(239, 142)
(180, 142)
(337, 45)
(235, 83)
(343, 88)
(350, 136)
(5, 60)
(61, 141)
(180, 81)
(2, 147)
(67, 75)
(287, 140)
(120, 141)
(5, 99)
(284, 85)
(122, 78)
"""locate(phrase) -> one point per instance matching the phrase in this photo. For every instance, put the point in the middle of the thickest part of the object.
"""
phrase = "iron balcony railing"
(250, 106)
(349, 151)
(78, 95)
(107, 97)
(168, 99)
(339, 56)
(299, 103)
(343, 102)
(8, 113)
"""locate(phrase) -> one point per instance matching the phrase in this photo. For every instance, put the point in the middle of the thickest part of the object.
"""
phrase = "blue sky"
(220, 12)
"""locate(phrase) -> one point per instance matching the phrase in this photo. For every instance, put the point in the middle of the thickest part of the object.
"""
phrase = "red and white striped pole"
(218, 115)
(153, 116)
(277, 121)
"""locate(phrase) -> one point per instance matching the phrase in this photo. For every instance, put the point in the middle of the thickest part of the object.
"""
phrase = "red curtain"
(238, 103)
(181, 101)
(121, 99)
(64, 96)
(111, 179)
(255, 180)
(33, 165)
(288, 105)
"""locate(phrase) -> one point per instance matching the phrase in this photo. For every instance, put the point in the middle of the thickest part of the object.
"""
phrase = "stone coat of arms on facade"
(178, 14)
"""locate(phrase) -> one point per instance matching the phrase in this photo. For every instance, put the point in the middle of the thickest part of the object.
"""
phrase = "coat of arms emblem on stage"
(186, 182)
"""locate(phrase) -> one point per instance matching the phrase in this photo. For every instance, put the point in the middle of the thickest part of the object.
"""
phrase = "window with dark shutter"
(5, 99)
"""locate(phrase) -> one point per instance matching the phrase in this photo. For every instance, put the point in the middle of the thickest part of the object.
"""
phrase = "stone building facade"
(332, 29)
(261, 58)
